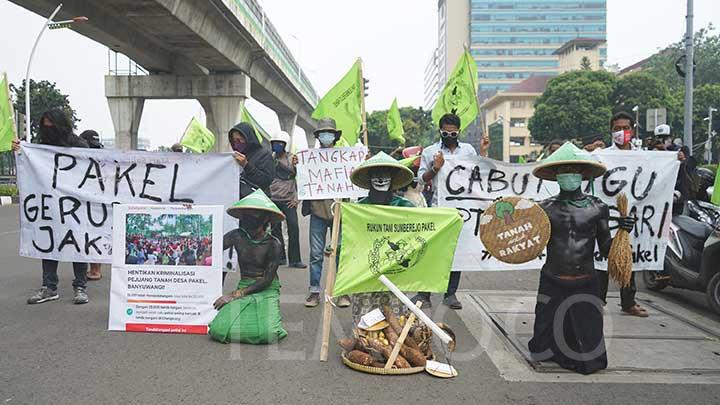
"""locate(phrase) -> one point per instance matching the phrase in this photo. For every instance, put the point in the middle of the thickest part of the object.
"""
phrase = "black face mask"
(52, 135)
(251, 223)
(449, 142)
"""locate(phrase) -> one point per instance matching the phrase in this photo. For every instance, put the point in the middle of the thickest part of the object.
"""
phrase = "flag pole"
(477, 100)
(362, 105)
(330, 270)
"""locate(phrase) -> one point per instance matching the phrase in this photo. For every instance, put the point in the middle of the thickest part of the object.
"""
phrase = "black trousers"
(50, 276)
(453, 284)
(568, 326)
(291, 219)
(627, 294)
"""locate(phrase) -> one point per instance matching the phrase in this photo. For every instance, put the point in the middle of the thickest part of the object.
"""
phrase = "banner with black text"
(471, 184)
(67, 194)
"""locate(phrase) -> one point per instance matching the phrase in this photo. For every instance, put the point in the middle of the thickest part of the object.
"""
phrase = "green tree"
(707, 60)
(575, 105)
(585, 63)
(418, 125)
(646, 91)
(44, 95)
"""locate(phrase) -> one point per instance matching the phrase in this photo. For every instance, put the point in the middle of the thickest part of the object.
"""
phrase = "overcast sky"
(395, 38)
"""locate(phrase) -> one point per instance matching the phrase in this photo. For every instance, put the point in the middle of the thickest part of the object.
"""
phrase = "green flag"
(7, 122)
(343, 103)
(413, 247)
(522, 160)
(716, 188)
(394, 124)
(460, 93)
(197, 138)
(259, 131)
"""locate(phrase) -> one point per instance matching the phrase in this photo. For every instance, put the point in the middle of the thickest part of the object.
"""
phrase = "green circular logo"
(129, 311)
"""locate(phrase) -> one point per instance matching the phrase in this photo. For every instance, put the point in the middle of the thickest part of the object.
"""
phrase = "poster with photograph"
(167, 268)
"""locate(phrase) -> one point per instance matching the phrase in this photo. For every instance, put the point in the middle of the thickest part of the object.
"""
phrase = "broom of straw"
(620, 257)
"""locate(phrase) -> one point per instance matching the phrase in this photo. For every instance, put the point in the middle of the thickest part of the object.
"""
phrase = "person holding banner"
(568, 326)
(256, 161)
(283, 192)
(321, 219)
(621, 125)
(93, 140)
(251, 313)
(431, 161)
(382, 175)
(56, 129)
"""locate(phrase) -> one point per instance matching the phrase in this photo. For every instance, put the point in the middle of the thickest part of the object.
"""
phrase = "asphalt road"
(62, 353)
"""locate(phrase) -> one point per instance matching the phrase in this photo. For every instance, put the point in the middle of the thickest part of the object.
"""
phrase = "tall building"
(512, 40)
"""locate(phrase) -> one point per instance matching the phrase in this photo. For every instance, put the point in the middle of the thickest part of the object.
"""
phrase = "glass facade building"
(512, 40)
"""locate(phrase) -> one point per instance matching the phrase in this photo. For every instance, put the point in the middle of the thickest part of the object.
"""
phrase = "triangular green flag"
(7, 121)
(260, 132)
(343, 103)
(460, 93)
(197, 138)
(395, 125)
(716, 188)
(413, 247)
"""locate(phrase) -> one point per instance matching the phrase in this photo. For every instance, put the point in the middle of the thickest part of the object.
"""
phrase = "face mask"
(239, 147)
(622, 137)
(326, 139)
(278, 148)
(251, 223)
(569, 181)
(449, 142)
(381, 183)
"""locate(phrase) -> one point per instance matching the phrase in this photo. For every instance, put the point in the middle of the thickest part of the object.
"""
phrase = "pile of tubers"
(373, 349)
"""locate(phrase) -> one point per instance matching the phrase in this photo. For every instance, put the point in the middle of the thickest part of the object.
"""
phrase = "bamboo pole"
(362, 106)
(12, 109)
(330, 269)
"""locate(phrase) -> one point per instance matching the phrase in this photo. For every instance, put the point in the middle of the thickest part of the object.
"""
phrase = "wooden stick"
(330, 269)
(401, 338)
(362, 106)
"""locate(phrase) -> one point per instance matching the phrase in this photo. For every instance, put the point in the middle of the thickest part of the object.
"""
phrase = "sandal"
(636, 310)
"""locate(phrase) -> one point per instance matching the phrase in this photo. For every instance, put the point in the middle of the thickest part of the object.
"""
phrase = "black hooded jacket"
(61, 134)
(259, 171)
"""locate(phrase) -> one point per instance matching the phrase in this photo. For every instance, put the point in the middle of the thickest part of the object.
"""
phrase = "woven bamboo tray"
(381, 371)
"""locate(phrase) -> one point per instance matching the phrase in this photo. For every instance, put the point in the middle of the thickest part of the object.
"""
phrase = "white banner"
(167, 268)
(471, 184)
(324, 173)
(67, 194)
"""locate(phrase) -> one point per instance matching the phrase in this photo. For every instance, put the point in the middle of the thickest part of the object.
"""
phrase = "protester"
(283, 192)
(622, 124)
(176, 148)
(321, 219)
(568, 325)
(663, 139)
(93, 140)
(251, 313)
(57, 130)
(414, 191)
(256, 160)
(596, 144)
(432, 160)
(554, 145)
(382, 175)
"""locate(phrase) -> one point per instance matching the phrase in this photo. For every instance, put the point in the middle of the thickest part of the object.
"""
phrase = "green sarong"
(254, 319)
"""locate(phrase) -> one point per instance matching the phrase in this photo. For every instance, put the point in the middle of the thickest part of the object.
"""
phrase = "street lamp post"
(49, 24)
(689, 73)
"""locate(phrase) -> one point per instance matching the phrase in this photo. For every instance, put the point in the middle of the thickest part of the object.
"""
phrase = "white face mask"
(381, 183)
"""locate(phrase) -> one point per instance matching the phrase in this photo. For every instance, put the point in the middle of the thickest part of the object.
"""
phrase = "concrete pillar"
(287, 124)
(222, 114)
(126, 113)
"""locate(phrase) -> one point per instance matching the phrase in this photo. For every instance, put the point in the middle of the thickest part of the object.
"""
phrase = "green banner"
(394, 124)
(716, 188)
(460, 93)
(7, 122)
(413, 247)
(260, 132)
(197, 138)
(343, 103)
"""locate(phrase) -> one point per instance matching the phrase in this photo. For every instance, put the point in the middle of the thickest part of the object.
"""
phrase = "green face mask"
(569, 181)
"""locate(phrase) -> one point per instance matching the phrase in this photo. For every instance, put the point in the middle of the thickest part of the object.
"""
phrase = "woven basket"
(381, 371)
